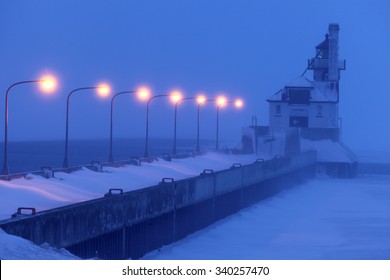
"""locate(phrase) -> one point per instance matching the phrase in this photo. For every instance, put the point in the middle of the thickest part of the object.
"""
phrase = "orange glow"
(143, 93)
(201, 99)
(104, 90)
(238, 103)
(48, 84)
(175, 96)
(221, 101)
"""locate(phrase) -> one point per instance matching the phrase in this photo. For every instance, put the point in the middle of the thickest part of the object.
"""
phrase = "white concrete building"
(311, 104)
(304, 114)
(302, 104)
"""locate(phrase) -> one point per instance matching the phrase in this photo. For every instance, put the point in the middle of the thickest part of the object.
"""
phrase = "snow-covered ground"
(325, 218)
(40, 193)
(16, 248)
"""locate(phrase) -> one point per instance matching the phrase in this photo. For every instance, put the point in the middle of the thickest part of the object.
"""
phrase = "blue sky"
(243, 48)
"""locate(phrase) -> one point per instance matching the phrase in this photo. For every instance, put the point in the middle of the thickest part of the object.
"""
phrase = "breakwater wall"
(124, 225)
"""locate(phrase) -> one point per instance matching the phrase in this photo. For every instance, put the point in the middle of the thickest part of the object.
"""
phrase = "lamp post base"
(5, 168)
(65, 164)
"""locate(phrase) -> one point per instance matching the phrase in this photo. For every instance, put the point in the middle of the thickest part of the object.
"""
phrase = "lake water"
(31, 156)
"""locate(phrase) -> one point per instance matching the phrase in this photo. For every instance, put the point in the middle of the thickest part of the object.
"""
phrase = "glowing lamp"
(143, 93)
(48, 84)
(201, 99)
(238, 103)
(175, 96)
(221, 101)
(103, 90)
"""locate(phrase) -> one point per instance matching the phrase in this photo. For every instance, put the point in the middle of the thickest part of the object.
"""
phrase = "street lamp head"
(238, 103)
(221, 101)
(143, 93)
(48, 84)
(200, 99)
(175, 96)
(103, 90)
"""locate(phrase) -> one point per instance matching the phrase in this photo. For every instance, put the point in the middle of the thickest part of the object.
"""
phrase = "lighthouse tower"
(326, 68)
(304, 114)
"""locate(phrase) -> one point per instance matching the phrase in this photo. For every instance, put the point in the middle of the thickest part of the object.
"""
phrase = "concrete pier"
(131, 224)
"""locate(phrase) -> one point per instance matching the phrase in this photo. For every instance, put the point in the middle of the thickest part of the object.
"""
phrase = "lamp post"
(103, 90)
(217, 137)
(175, 96)
(110, 157)
(221, 101)
(201, 100)
(47, 84)
(146, 154)
(175, 121)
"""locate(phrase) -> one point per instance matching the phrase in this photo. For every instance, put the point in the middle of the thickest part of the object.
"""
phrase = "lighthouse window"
(299, 96)
(319, 111)
(278, 111)
(324, 53)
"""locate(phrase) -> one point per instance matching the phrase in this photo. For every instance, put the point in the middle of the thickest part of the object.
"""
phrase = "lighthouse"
(304, 114)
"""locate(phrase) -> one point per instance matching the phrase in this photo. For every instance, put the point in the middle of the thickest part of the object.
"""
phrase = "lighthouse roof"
(301, 83)
(324, 44)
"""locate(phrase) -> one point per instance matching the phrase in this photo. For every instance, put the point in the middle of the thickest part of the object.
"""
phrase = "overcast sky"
(243, 48)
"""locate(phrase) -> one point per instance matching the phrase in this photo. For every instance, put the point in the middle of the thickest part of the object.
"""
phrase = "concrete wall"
(133, 223)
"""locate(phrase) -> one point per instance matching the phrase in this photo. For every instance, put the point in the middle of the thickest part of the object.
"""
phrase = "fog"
(247, 49)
